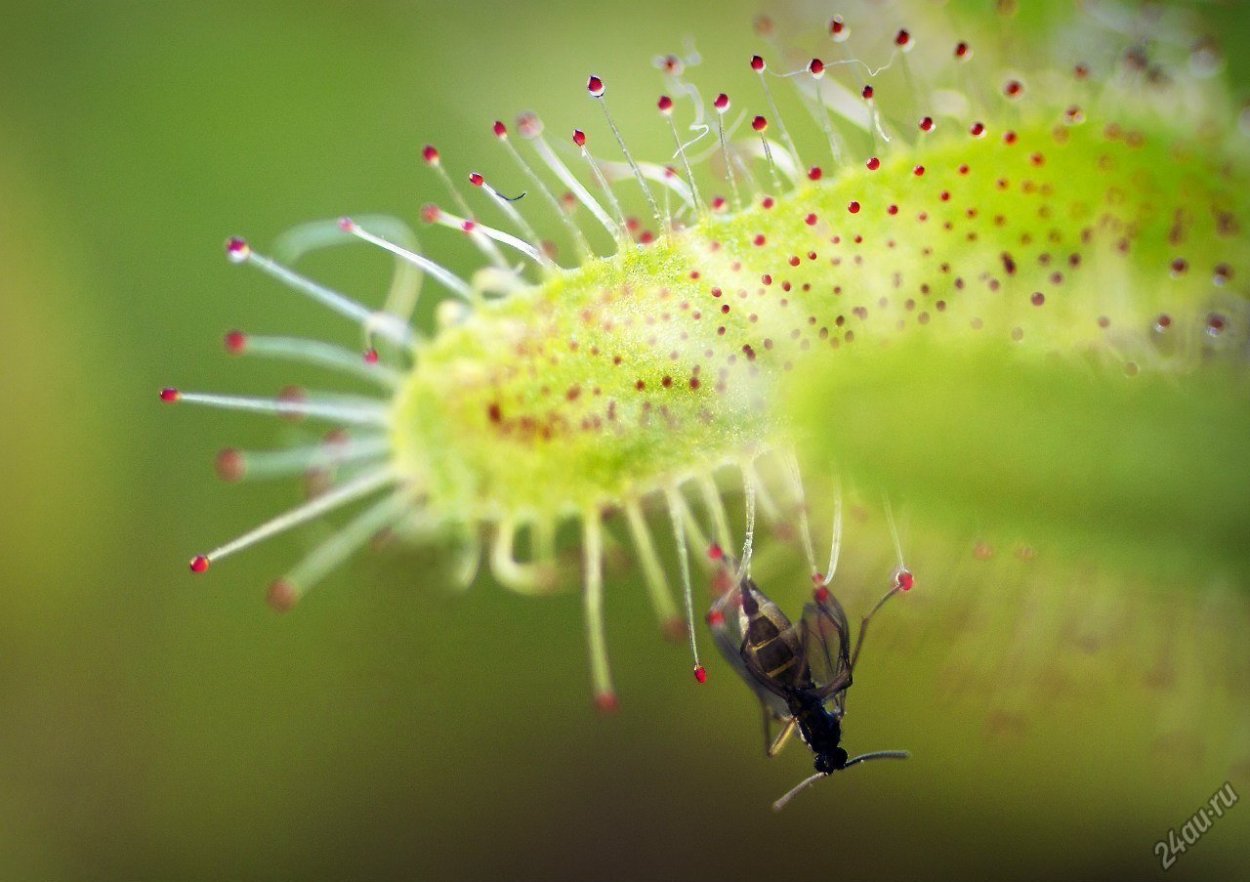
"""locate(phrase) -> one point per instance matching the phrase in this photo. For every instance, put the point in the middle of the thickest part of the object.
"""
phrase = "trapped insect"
(649, 355)
(800, 673)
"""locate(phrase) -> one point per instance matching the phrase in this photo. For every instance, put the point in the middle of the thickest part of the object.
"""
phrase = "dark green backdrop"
(153, 726)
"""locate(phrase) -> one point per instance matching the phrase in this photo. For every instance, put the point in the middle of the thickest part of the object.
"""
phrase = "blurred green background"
(155, 726)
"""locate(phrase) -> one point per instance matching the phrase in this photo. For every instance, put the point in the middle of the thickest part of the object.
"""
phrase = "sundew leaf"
(1142, 473)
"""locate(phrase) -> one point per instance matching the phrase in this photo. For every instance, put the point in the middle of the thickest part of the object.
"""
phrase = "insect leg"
(903, 580)
(863, 625)
(834, 686)
(783, 737)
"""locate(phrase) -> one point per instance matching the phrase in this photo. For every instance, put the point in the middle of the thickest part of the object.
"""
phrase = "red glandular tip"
(716, 619)
(757, 63)
(169, 395)
(500, 130)
(476, 179)
(918, 171)
(760, 124)
(607, 703)
(977, 130)
(294, 396)
(371, 356)
(963, 52)
(346, 224)
(430, 212)
(237, 249)
(721, 103)
(821, 593)
(904, 580)
(579, 137)
(927, 124)
(867, 93)
(594, 86)
(665, 104)
(815, 173)
(714, 552)
(1013, 89)
(816, 68)
(199, 563)
(873, 163)
(1215, 324)
(430, 154)
(281, 595)
(672, 65)
(904, 41)
(235, 342)
(529, 125)
(230, 465)
(853, 207)
(838, 29)
(700, 674)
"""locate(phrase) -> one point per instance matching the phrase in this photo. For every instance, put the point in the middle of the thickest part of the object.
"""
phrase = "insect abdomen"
(772, 641)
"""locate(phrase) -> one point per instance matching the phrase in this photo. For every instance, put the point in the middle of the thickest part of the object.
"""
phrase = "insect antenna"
(808, 782)
(797, 789)
(878, 754)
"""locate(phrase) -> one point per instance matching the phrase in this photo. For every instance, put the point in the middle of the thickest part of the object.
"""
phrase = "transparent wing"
(827, 646)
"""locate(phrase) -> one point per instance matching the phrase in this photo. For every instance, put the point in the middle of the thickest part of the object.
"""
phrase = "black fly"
(800, 673)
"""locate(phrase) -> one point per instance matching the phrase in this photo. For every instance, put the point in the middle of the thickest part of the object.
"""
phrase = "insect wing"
(827, 644)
